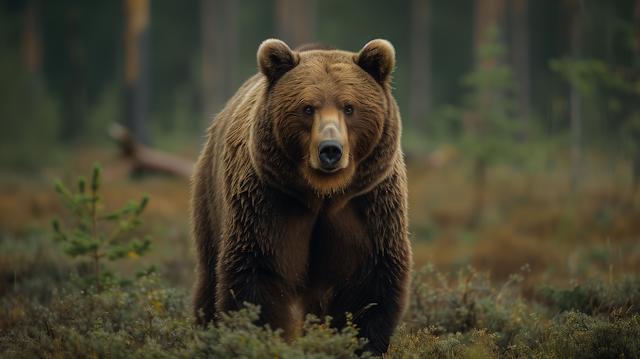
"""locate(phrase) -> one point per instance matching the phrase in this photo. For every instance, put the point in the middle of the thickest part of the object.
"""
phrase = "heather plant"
(578, 335)
(424, 344)
(149, 320)
(237, 336)
(467, 303)
(450, 316)
(135, 323)
(116, 323)
(88, 239)
(594, 296)
(466, 318)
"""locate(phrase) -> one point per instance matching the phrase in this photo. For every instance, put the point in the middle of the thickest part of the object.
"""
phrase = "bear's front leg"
(377, 305)
(263, 255)
(257, 282)
(379, 296)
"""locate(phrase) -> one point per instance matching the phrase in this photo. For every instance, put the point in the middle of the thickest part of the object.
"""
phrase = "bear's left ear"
(275, 59)
(378, 59)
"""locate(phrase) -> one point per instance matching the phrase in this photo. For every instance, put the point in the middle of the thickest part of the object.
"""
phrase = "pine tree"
(87, 239)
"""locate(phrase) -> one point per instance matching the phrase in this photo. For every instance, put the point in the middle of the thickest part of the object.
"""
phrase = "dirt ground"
(529, 217)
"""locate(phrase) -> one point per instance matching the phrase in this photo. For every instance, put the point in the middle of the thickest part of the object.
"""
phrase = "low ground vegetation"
(578, 297)
(462, 318)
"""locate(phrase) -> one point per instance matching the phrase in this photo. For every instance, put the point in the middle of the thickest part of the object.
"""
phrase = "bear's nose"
(330, 152)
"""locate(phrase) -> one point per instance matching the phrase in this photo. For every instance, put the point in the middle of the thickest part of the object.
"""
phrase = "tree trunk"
(211, 59)
(520, 56)
(31, 40)
(296, 21)
(420, 63)
(479, 190)
(137, 74)
(575, 114)
(31, 54)
(230, 50)
(636, 155)
(607, 115)
(636, 23)
(73, 128)
(219, 27)
(489, 14)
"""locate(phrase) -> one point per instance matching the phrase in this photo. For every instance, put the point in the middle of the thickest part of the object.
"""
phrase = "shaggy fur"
(273, 227)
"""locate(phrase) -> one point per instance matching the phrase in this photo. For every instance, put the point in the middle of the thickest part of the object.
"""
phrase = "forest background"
(521, 123)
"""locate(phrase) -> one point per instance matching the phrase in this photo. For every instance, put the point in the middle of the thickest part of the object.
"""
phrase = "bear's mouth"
(331, 170)
(329, 180)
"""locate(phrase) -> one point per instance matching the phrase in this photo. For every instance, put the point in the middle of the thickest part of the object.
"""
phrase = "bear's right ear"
(275, 59)
(378, 59)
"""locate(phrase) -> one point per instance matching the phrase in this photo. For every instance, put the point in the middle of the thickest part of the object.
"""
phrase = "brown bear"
(299, 198)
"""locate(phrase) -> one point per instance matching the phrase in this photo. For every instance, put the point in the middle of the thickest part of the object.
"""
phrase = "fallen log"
(135, 156)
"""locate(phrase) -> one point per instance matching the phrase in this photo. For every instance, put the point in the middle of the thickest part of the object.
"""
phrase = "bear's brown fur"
(299, 198)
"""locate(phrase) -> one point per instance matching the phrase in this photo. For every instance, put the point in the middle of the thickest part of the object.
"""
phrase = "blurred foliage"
(614, 89)
(487, 123)
(25, 128)
(88, 240)
(35, 110)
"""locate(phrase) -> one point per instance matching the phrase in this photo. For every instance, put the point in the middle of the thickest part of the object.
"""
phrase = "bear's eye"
(348, 110)
(308, 110)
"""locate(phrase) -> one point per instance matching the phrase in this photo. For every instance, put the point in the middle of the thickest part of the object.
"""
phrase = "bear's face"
(327, 108)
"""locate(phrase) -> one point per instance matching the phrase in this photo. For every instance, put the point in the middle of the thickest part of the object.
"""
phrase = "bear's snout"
(329, 143)
(330, 152)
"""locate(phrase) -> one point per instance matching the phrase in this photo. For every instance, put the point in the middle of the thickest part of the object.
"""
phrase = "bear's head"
(324, 112)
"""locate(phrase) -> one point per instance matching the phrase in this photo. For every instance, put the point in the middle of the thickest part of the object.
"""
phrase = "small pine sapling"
(87, 239)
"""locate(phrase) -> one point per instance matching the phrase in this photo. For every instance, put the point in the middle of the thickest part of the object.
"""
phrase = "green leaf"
(134, 245)
(85, 224)
(80, 198)
(112, 216)
(82, 182)
(57, 184)
(153, 268)
(143, 203)
(63, 192)
(79, 233)
(131, 207)
(144, 247)
(60, 237)
(117, 252)
(55, 223)
(96, 177)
